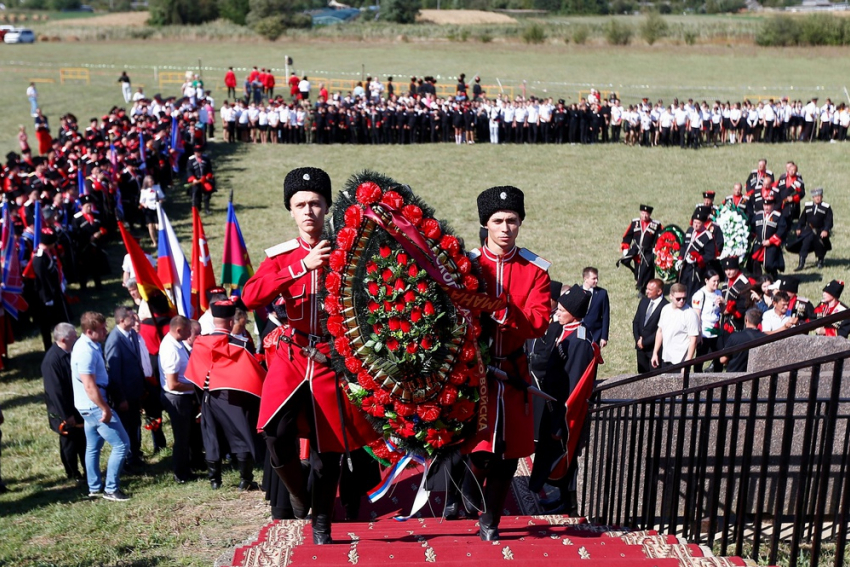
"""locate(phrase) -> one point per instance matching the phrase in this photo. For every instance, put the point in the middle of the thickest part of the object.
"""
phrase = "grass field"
(579, 200)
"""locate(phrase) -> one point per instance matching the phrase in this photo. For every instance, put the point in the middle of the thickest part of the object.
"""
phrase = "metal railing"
(757, 464)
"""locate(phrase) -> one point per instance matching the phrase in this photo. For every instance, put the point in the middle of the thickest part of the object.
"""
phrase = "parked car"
(21, 35)
(4, 30)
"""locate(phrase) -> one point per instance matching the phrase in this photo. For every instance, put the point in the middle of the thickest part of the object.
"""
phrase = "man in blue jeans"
(90, 380)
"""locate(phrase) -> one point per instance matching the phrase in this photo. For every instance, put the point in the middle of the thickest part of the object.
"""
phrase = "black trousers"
(198, 195)
(181, 410)
(644, 360)
(812, 243)
(72, 450)
(132, 422)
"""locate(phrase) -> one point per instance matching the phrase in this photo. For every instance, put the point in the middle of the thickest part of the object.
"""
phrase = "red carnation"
(428, 309)
(467, 353)
(438, 437)
(365, 379)
(403, 427)
(399, 306)
(392, 344)
(431, 228)
(416, 315)
(394, 323)
(333, 281)
(332, 306)
(382, 396)
(336, 326)
(353, 365)
(413, 271)
(372, 406)
(388, 289)
(470, 282)
(374, 289)
(405, 326)
(457, 377)
(428, 412)
(413, 214)
(372, 306)
(345, 238)
(342, 346)
(380, 449)
(387, 275)
(353, 216)
(476, 329)
(338, 260)
(378, 328)
(450, 244)
(399, 285)
(422, 287)
(392, 199)
(411, 348)
(385, 251)
(448, 395)
(402, 259)
(409, 296)
(462, 410)
(371, 267)
(427, 342)
(387, 305)
(463, 264)
(368, 193)
(403, 409)
(474, 379)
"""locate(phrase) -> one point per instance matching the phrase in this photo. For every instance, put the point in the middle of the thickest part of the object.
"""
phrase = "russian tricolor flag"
(173, 269)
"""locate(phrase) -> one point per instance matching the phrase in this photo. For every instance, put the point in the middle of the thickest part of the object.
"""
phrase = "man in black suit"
(52, 308)
(124, 366)
(598, 316)
(63, 417)
(645, 323)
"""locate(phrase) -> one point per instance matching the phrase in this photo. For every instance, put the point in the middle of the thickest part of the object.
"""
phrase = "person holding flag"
(200, 176)
(171, 265)
(301, 386)
(90, 234)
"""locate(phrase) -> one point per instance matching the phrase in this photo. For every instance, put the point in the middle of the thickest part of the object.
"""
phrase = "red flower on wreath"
(422, 287)
(462, 410)
(336, 326)
(402, 259)
(374, 289)
(353, 365)
(387, 275)
(412, 213)
(393, 199)
(368, 193)
(428, 412)
(382, 396)
(385, 251)
(415, 315)
(379, 449)
(428, 310)
(411, 348)
(394, 323)
(464, 266)
(345, 238)
(450, 244)
(392, 344)
(332, 306)
(343, 346)
(427, 342)
(405, 326)
(365, 379)
(409, 296)
(457, 377)
(447, 396)
(431, 228)
(470, 282)
(403, 409)
(333, 281)
(353, 216)
(467, 353)
(371, 267)
(399, 284)
(337, 260)
(372, 306)
(413, 271)
(403, 427)
(438, 437)
(371, 406)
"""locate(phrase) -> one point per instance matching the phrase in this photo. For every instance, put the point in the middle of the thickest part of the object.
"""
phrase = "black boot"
(246, 473)
(820, 263)
(800, 264)
(292, 476)
(495, 492)
(471, 490)
(214, 474)
(325, 484)
(571, 501)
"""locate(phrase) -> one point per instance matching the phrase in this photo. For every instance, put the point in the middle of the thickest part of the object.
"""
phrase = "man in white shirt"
(810, 114)
(777, 319)
(178, 397)
(678, 330)
(32, 96)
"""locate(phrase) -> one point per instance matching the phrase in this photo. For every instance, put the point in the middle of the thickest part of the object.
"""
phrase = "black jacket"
(646, 330)
(58, 391)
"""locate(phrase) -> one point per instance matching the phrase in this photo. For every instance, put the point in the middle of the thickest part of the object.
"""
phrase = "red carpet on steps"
(526, 537)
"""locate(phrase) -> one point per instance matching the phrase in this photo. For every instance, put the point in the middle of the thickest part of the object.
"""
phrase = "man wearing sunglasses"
(678, 330)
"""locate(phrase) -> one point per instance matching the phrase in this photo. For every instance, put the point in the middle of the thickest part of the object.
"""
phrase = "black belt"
(313, 340)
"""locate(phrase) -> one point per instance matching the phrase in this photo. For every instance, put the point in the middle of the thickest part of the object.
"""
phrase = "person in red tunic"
(302, 396)
(830, 306)
(230, 83)
(521, 277)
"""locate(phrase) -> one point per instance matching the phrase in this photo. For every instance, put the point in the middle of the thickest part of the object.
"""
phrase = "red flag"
(203, 276)
(146, 277)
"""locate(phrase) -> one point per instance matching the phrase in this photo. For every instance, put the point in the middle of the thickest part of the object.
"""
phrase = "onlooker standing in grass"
(32, 95)
(90, 380)
(126, 88)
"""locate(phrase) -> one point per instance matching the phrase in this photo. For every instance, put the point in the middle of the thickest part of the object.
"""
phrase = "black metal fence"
(756, 465)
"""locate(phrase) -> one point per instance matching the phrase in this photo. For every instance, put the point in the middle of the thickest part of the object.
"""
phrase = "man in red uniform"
(230, 83)
(301, 395)
(830, 306)
(521, 277)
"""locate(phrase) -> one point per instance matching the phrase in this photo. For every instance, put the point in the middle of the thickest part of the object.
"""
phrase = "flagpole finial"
(231, 196)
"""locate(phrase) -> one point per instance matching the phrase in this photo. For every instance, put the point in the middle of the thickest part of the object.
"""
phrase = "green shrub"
(653, 28)
(270, 28)
(534, 34)
(690, 37)
(464, 34)
(485, 38)
(778, 31)
(822, 29)
(234, 10)
(580, 34)
(400, 11)
(618, 34)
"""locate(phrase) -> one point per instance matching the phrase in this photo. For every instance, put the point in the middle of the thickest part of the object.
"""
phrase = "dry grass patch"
(118, 19)
(463, 17)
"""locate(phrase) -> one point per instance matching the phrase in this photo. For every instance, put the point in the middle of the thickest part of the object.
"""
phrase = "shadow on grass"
(19, 401)
(46, 494)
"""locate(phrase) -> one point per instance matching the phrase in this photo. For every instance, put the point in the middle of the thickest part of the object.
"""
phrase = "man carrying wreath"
(301, 394)
(521, 278)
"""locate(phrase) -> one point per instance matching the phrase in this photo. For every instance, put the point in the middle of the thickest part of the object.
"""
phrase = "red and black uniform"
(92, 258)
(735, 291)
(755, 180)
(740, 202)
(700, 251)
(770, 227)
(639, 244)
(839, 329)
(200, 169)
(791, 187)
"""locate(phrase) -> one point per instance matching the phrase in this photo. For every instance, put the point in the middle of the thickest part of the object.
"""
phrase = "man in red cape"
(521, 277)
(302, 396)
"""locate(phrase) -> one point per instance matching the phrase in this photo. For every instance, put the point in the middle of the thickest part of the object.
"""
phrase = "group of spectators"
(377, 113)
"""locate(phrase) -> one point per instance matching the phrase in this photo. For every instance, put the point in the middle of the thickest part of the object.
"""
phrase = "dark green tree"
(234, 10)
(180, 12)
(400, 11)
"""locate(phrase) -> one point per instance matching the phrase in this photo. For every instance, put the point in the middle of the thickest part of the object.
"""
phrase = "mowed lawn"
(579, 201)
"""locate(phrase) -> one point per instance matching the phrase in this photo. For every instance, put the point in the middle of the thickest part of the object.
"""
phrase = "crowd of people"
(385, 113)
(718, 294)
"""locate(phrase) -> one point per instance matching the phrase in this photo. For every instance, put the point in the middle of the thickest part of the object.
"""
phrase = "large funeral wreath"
(405, 345)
